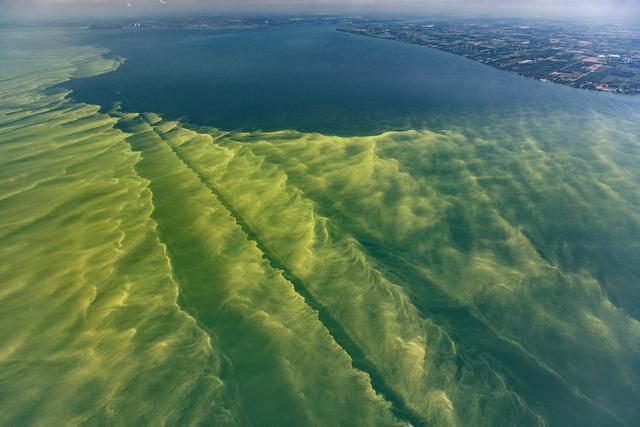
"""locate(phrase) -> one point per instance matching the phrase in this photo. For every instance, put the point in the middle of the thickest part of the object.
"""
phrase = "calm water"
(313, 78)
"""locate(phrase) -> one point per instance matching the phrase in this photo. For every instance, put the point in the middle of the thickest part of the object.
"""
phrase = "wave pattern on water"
(156, 273)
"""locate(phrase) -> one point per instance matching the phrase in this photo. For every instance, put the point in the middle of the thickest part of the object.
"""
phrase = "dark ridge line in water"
(531, 367)
(447, 311)
(360, 362)
(494, 343)
(454, 317)
(183, 298)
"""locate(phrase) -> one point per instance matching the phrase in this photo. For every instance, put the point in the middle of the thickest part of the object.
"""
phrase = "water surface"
(315, 79)
(458, 246)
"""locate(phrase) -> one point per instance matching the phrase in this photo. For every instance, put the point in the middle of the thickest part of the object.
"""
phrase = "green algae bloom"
(155, 273)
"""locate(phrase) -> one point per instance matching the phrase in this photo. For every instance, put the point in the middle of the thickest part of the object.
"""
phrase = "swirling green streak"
(90, 331)
(541, 176)
(458, 319)
(287, 367)
(360, 360)
(468, 326)
(261, 192)
(583, 191)
(484, 263)
(533, 383)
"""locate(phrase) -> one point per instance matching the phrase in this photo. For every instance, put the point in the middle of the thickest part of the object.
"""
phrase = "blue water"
(313, 78)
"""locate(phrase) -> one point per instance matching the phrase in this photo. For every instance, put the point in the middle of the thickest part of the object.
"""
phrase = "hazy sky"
(97, 8)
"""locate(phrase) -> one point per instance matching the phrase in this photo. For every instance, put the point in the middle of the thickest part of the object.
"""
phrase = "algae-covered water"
(465, 252)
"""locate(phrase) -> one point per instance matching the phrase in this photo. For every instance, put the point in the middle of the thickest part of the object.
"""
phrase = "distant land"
(226, 22)
(603, 57)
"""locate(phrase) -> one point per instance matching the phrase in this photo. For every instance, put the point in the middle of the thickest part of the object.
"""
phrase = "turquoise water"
(296, 226)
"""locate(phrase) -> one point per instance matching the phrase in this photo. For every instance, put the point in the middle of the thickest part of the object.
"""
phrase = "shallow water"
(442, 254)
